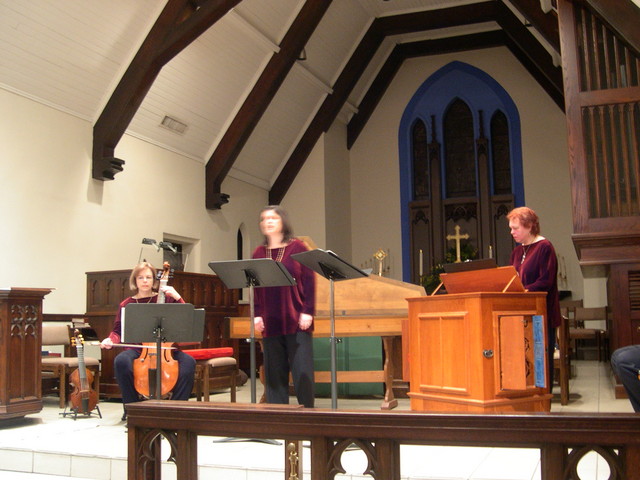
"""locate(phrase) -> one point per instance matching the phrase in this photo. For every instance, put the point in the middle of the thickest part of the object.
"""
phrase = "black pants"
(551, 348)
(123, 366)
(284, 354)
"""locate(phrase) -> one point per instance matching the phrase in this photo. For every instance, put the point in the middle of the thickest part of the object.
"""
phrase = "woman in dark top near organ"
(535, 261)
(284, 315)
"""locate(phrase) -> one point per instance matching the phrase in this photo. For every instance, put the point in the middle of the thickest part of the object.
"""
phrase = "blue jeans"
(625, 363)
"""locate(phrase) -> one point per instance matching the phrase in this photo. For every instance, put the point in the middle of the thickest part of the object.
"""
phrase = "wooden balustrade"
(562, 438)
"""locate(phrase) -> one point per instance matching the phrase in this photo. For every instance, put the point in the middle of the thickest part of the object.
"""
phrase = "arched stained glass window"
(501, 158)
(459, 151)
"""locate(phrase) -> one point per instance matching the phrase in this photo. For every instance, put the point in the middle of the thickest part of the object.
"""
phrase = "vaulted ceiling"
(246, 87)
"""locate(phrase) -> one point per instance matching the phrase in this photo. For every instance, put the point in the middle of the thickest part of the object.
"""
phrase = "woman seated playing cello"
(143, 280)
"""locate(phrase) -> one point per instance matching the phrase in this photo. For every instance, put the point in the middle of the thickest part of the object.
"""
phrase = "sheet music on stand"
(334, 269)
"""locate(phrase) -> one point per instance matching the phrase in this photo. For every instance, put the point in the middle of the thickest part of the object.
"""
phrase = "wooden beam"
(532, 54)
(374, 94)
(327, 112)
(622, 17)
(545, 23)
(434, 19)
(381, 27)
(259, 99)
(549, 86)
(177, 26)
(411, 50)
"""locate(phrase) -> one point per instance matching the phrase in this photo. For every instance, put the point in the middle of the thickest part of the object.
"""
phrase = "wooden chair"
(215, 368)
(578, 331)
(562, 360)
(57, 369)
(562, 355)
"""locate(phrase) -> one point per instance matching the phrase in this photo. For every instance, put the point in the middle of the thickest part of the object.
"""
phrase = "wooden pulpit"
(20, 351)
(479, 347)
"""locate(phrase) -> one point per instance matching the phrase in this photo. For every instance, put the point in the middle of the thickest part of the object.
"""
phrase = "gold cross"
(457, 237)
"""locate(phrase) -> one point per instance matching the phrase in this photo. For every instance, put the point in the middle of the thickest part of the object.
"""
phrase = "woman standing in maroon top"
(536, 262)
(284, 315)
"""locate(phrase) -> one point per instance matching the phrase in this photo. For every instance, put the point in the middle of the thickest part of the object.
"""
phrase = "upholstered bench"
(215, 368)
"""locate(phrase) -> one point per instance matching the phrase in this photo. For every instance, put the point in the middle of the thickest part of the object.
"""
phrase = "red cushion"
(207, 353)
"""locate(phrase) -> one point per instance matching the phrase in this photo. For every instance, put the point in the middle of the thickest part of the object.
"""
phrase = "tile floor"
(46, 446)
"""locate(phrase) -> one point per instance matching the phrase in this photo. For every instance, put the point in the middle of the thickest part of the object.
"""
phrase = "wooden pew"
(562, 438)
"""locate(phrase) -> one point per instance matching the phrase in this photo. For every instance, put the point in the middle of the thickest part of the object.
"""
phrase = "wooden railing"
(563, 439)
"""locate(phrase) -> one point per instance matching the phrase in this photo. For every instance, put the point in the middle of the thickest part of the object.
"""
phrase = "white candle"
(420, 262)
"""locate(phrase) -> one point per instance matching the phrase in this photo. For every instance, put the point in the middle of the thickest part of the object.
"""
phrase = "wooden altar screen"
(471, 350)
(20, 346)
(106, 289)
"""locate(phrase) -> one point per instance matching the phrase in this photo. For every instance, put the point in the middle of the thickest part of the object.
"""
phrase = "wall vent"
(174, 125)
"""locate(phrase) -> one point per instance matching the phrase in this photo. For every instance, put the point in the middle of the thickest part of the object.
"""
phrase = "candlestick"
(420, 262)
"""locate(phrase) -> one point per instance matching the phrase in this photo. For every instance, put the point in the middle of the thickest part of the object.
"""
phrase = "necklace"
(525, 250)
(148, 299)
(279, 256)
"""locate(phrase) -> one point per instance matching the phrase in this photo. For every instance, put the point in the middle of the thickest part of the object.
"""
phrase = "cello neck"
(164, 279)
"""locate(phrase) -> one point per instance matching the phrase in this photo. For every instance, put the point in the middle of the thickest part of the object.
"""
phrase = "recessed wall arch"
(454, 82)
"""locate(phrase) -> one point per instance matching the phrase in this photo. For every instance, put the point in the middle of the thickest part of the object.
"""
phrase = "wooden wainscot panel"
(511, 353)
(435, 365)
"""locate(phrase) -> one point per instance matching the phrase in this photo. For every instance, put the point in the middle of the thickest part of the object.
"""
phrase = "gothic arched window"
(460, 170)
(501, 158)
(459, 151)
(420, 162)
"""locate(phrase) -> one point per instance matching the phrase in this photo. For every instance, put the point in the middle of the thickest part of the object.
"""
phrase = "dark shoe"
(124, 417)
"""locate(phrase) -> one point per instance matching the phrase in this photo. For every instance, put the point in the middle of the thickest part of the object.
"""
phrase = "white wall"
(58, 223)
(305, 199)
(338, 191)
(375, 204)
(319, 200)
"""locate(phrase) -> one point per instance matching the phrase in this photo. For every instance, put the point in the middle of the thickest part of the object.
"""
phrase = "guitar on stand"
(83, 398)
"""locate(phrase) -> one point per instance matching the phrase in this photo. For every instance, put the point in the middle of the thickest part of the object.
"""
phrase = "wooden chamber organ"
(368, 306)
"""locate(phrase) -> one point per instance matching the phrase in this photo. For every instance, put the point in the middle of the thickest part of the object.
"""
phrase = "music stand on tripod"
(161, 322)
(333, 268)
(255, 273)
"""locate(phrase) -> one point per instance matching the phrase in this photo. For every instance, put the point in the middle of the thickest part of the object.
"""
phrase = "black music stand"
(259, 272)
(333, 268)
(161, 322)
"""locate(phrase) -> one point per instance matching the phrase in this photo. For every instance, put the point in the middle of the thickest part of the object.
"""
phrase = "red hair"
(527, 218)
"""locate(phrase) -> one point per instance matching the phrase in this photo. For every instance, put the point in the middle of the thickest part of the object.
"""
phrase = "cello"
(83, 398)
(145, 371)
